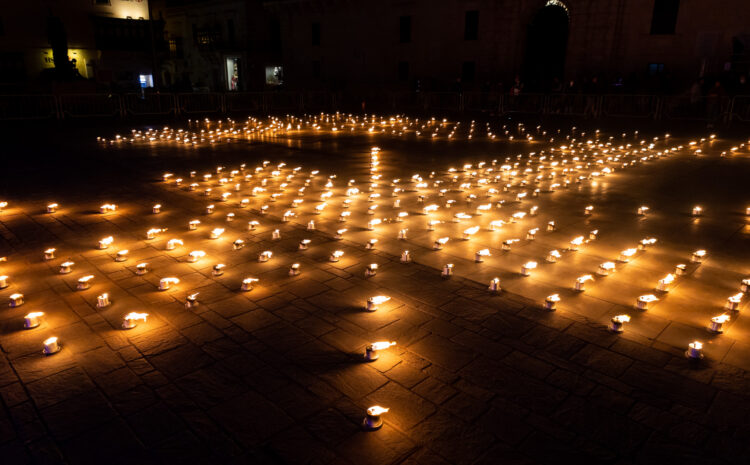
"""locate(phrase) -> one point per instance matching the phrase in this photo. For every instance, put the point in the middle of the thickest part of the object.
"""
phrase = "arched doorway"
(546, 43)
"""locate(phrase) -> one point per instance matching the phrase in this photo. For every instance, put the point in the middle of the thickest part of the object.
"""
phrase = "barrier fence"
(647, 106)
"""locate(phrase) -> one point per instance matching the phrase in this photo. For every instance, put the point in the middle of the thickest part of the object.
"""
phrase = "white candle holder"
(173, 243)
(680, 270)
(156, 209)
(617, 324)
(244, 203)
(371, 244)
(335, 256)
(405, 257)
(733, 302)
(294, 269)
(447, 271)
(66, 267)
(372, 419)
(605, 269)
(531, 234)
(32, 320)
(207, 192)
(3, 282)
(218, 269)
(644, 301)
(84, 282)
(494, 285)
(527, 267)
(697, 211)
(49, 254)
(698, 256)
(275, 235)
(265, 256)
(402, 234)
(695, 350)
(717, 323)
(153, 232)
(166, 283)
(550, 303)
(552, 256)
(230, 217)
(105, 243)
(371, 270)
(238, 244)
(191, 301)
(209, 209)
(193, 225)
(216, 233)
(303, 244)
(593, 234)
(52, 208)
(102, 301)
(252, 225)
(130, 320)
(371, 351)
(247, 284)
(195, 255)
(51, 346)
(745, 285)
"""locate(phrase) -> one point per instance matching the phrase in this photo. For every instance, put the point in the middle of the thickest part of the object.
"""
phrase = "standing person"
(713, 103)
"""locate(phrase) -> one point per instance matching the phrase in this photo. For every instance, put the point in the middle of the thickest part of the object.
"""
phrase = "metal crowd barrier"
(647, 106)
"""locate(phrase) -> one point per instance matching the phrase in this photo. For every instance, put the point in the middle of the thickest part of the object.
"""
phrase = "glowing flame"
(621, 318)
(735, 299)
(720, 319)
(628, 252)
(530, 265)
(132, 316)
(667, 279)
(472, 230)
(442, 240)
(553, 298)
(484, 252)
(337, 253)
(379, 299)
(647, 298)
(577, 241)
(382, 345)
(376, 410)
(86, 278)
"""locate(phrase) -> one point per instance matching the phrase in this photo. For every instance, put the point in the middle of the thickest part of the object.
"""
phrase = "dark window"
(471, 26)
(655, 69)
(316, 69)
(403, 70)
(467, 71)
(664, 19)
(404, 29)
(275, 35)
(230, 31)
(316, 33)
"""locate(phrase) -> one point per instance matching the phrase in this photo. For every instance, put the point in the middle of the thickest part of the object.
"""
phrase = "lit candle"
(470, 232)
(230, 217)
(49, 254)
(374, 302)
(218, 269)
(642, 210)
(191, 301)
(698, 256)
(679, 270)
(605, 269)
(102, 300)
(51, 346)
(265, 256)
(551, 226)
(32, 320)
(141, 269)
(593, 234)
(130, 320)
(575, 243)
(625, 255)
(587, 211)
(247, 284)
(745, 285)
(695, 350)
(372, 419)
(550, 303)
(193, 225)
(733, 302)
(617, 323)
(216, 233)
(697, 211)
(3, 282)
(251, 225)
(717, 323)
(478, 256)
(173, 243)
(238, 244)
(209, 209)
(65, 267)
(52, 208)
(665, 282)
(276, 235)
(166, 283)
(294, 269)
(84, 282)
(439, 243)
(552, 256)
(153, 232)
(405, 257)
(107, 207)
(195, 255)
(371, 351)
(527, 267)
(371, 244)
(105, 243)
(311, 225)
(581, 282)
(371, 270)
(531, 234)
(643, 301)
(494, 285)
(340, 234)
(447, 271)
(156, 208)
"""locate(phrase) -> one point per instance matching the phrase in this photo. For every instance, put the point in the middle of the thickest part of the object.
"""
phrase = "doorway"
(546, 44)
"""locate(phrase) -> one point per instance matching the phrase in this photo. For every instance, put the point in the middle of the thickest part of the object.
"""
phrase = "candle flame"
(376, 410)
(136, 316)
(382, 345)
(379, 299)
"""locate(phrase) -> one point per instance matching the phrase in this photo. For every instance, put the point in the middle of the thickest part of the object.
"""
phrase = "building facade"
(487, 43)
